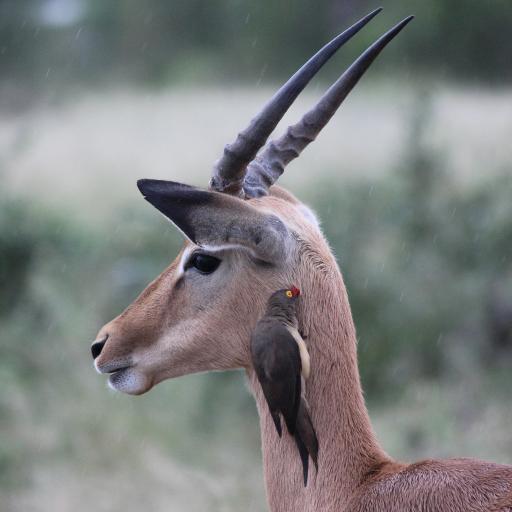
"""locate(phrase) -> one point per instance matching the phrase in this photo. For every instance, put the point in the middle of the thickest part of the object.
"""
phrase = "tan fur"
(182, 325)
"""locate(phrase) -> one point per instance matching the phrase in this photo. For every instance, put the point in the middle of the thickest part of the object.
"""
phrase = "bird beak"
(295, 291)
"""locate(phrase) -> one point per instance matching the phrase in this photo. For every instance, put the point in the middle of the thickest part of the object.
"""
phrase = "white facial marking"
(209, 249)
(227, 247)
(184, 259)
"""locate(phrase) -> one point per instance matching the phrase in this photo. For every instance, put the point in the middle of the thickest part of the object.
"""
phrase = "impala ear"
(215, 221)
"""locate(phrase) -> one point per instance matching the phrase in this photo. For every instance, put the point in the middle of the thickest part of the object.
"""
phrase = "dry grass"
(89, 151)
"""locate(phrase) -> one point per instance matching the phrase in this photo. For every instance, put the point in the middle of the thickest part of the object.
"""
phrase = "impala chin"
(130, 381)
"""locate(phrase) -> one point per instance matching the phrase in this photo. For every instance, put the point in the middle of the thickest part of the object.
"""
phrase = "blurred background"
(412, 179)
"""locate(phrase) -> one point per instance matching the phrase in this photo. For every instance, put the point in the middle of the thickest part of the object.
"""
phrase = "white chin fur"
(129, 381)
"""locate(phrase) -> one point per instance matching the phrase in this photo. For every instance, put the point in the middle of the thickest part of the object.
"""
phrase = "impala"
(245, 238)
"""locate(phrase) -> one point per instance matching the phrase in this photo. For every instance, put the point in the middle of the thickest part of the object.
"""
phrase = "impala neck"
(348, 450)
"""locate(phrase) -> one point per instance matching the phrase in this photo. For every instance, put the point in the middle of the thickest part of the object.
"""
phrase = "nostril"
(97, 347)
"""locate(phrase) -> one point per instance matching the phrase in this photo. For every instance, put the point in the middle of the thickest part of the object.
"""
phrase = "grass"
(78, 243)
(84, 155)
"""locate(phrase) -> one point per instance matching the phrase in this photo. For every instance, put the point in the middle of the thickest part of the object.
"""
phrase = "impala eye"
(204, 263)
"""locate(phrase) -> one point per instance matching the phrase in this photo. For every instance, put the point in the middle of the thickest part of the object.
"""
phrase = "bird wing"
(277, 362)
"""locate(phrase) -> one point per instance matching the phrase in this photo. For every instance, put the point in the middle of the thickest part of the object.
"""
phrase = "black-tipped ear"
(216, 221)
(176, 201)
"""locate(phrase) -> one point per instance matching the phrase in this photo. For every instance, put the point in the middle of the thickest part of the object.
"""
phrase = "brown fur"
(179, 326)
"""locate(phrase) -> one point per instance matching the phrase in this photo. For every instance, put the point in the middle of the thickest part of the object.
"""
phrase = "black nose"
(97, 347)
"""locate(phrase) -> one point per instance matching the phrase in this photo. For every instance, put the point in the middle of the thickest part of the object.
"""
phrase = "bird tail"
(306, 440)
(304, 457)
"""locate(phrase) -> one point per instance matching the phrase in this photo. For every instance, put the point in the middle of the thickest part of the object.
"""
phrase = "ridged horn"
(229, 171)
(270, 163)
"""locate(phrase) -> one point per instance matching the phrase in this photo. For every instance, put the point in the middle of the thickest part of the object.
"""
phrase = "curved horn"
(270, 163)
(229, 171)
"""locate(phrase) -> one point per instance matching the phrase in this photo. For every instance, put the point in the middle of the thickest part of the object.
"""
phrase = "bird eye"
(289, 294)
(204, 263)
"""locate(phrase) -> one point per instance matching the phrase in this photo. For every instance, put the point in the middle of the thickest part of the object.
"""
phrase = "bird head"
(292, 292)
(283, 301)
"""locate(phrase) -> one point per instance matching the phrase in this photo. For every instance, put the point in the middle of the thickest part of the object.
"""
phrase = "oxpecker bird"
(281, 362)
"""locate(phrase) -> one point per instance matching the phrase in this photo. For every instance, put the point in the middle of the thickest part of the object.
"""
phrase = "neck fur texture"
(349, 451)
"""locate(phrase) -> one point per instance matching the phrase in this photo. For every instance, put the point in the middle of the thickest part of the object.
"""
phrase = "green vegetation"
(157, 42)
(427, 265)
(423, 234)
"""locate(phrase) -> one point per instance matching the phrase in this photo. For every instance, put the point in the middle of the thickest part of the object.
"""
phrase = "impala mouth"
(112, 367)
(124, 376)
(117, 370)
(118, 377)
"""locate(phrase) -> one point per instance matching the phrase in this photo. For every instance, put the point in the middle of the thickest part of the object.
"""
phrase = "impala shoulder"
(425, 485)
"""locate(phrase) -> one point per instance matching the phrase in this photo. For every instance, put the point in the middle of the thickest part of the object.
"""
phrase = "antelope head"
(244, 238)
